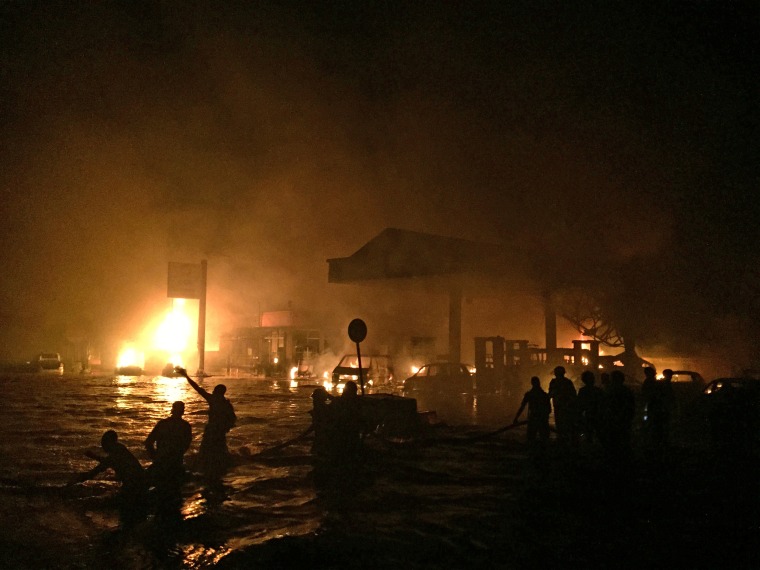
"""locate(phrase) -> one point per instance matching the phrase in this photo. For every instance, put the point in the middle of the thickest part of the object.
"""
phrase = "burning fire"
(169, 338)
(130, 356)
(173, 334)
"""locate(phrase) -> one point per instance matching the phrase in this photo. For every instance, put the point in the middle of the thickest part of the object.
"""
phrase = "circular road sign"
(357, 330)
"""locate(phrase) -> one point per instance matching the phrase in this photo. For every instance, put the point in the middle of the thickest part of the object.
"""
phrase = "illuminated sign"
(277, 319)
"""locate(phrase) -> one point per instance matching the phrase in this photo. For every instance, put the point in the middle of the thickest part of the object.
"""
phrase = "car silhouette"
(451, 377)
(731, 407)
(50, 363)
(376, 370)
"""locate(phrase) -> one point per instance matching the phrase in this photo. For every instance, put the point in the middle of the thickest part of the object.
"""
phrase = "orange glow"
(169, 337)
(170, 389)
(174, 332)
(130, 356)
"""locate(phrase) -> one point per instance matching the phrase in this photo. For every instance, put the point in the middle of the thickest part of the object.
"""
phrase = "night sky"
(613, 145)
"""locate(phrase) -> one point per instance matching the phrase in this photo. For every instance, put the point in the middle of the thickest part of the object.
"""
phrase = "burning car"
(377, 370)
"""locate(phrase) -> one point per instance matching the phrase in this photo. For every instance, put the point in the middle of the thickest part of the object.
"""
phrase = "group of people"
(166, 445)
(604, 414)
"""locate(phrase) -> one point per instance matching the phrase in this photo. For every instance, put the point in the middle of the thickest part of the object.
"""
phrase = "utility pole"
(202, 321)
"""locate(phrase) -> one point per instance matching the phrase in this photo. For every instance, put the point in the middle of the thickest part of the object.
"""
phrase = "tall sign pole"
(202, 320)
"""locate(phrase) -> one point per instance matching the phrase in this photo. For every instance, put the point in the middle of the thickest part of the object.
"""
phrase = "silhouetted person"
(132, 499)
(619, 412)
(321, 421)
(166, 445)
(348, 425)
(604, 381)
(667, 407)
(562, 394)
(648, 389)
(648, 402)
(590, 402)
(539, 408)
(213, 455)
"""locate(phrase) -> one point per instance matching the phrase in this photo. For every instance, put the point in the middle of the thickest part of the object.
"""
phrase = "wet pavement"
(458, 500)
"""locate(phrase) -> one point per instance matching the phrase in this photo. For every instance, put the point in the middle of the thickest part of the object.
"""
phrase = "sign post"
(202, 322)
(357, 332)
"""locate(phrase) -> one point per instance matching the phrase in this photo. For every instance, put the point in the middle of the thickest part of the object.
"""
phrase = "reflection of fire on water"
(170, 389)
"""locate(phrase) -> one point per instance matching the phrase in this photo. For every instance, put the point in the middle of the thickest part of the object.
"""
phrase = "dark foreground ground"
(692, 509)
(498, 508)
(459, 498)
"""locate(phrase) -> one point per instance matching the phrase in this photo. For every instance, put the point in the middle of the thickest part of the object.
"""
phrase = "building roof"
(404, 254)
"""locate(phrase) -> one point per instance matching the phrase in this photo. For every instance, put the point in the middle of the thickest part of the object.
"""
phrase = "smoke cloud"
(269, 138)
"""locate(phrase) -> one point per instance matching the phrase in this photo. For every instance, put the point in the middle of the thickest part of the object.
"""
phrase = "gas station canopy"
(453, 265)
(405, 254)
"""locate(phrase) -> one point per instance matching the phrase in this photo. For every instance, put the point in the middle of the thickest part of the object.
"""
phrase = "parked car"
(441, 377)
(50, 363)
(377, 370)
(731, 407)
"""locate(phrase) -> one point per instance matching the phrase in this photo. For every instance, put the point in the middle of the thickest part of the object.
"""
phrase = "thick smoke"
(267, 139)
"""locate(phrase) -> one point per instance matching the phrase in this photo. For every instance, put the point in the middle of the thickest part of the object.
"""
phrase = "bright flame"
(130, 356)
(293, 384)
(176, 360)
(293, 372)
(584, 360)
(415, 369)
(173, 334)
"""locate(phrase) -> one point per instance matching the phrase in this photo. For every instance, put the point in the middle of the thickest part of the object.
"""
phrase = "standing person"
(620, 410)
(649, 403)
(562, 394)
(348, 426)
(589, 407)
(321, 421)
(166, 444)
(539, 408)
(213, 455)
(666, 407)
(132, 499)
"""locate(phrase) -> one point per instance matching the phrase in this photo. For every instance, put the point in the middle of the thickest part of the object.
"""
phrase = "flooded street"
(455, 500)
(49, 422)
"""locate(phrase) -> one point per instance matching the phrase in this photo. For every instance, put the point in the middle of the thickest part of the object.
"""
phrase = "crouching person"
(132, 499)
